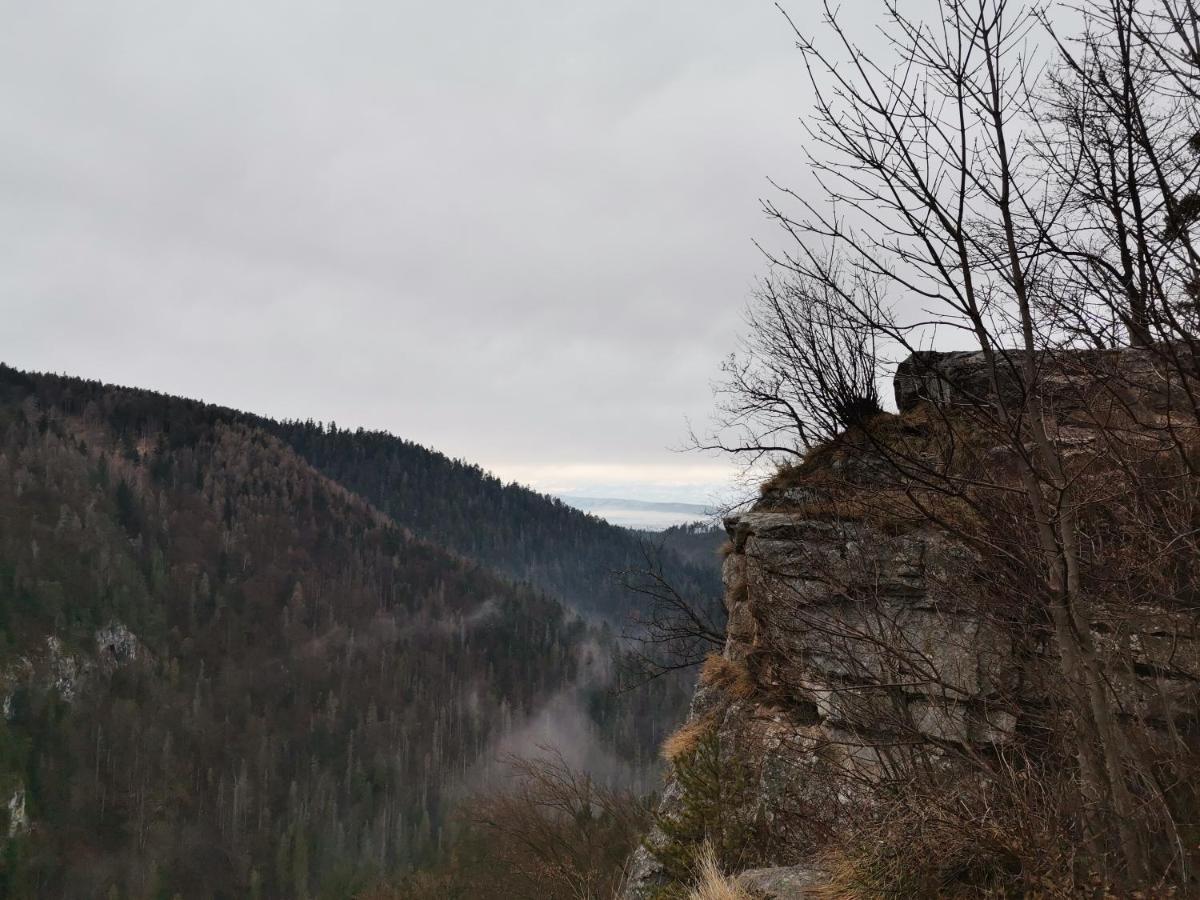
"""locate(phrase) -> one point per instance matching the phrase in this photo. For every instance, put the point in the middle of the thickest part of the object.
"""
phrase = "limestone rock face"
(61, 670)
(18, 819)
(831, 606)
(783, 882)
(117, 646)
(861, 632)
(1145, 378)
(54, 667)
(814, 603)
(66, 671)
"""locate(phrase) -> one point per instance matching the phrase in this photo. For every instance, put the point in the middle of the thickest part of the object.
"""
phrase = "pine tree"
(714, 807)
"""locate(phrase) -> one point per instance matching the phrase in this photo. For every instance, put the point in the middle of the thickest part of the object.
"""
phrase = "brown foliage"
(712, 883)
(687, 737)
(730, 676)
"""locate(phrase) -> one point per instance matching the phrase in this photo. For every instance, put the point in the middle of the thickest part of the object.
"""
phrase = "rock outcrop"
(783, 882)
(17, 819)
(52, 667)
(859, 628)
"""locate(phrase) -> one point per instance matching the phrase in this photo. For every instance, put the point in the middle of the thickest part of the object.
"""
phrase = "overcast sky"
(519, 232)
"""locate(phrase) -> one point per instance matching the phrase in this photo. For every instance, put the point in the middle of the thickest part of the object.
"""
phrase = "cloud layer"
(519, 232)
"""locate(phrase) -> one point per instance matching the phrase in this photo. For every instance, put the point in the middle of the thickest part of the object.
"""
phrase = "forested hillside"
(226, 674)
(517, 531)
(698, 543)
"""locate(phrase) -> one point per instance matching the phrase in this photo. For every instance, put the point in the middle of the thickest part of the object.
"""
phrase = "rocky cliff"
(873, 635)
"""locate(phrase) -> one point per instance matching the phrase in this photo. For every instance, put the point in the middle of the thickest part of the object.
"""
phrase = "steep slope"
(223, 673)
(520, 533)
(891, 715)
(524, 534)
(698, 543)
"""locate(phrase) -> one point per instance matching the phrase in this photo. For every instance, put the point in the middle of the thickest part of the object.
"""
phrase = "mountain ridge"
(347, 456)
(228, 673)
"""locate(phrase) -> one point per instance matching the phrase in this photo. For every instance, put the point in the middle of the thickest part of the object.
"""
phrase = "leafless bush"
(807, 371)
(557, 832)
(672, 630)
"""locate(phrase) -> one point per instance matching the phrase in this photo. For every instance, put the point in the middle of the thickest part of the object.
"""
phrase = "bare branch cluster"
(1032, 196)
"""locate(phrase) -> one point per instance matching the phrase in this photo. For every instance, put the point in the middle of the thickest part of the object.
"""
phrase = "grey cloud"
(519, 232)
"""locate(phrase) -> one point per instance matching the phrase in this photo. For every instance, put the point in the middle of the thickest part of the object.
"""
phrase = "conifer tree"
(714, 788)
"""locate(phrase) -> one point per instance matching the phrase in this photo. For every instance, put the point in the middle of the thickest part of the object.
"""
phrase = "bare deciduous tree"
(672, 630)
(807, 371)
(558, 832)
(1039, 224)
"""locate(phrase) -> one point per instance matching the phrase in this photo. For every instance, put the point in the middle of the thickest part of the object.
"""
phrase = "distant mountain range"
(646, 515)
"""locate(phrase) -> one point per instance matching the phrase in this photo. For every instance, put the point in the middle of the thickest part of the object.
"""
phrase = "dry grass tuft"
(712, 883)
(964, 837)
(925, 432)
(890, 510)
(815, 464)
(687, 737)
(731, 677)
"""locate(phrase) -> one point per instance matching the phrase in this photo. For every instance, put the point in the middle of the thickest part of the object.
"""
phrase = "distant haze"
(641, 514)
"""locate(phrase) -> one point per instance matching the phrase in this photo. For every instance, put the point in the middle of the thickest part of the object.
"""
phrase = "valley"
(323, 638)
